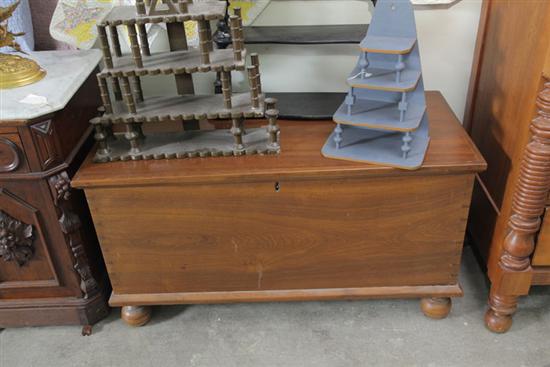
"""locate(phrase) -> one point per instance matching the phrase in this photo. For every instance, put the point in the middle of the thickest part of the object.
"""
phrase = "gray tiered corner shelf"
(122, 74)
(383, 118)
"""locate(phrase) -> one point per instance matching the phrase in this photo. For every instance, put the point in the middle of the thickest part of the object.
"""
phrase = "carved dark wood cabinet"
(50, 264)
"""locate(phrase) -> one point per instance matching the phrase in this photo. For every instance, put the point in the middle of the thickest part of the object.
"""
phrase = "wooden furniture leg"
(136, 315)
(512, 277)
(436, 307)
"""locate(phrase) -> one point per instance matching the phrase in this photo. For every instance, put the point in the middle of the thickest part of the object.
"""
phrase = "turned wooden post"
(136, 87)
(100, 137)
(127, 95)
(104, 92)
(254, 95)
(273, 129)
(209, 35)
(512, 277)
(143, 40)
(238, 13)
(134, 45)
(203, 42)
(255, 60)
(237, 131)
(115, 40)
(237, 51)
(104, 42)
(226, 88)
(116, 89)
(140, 7)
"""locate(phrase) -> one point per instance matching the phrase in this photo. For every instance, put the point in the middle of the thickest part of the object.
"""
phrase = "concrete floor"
(355, 333)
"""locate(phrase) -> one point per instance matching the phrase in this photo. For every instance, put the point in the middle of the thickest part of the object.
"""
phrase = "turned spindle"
(203, 42)
(104, 92)
(116, 89)
(209, 35)
(115, 40)
(237, 132)
(254, 95)
(134, 45)
(104, 42)
(136, 87)
(406, 147)
(338, 131)
(134, 136)
(270, 103)
(273, 129)
(399, 67)
(226, 88)
(143, 40)
(238, 12)
(100, 137)
(234, 24)
(127, 95)
(255, 59)
(350, 101)
(402, 106)
(140, 7)
(528, 205)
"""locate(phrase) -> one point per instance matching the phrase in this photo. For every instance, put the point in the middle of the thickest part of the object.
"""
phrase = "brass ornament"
(15, 71)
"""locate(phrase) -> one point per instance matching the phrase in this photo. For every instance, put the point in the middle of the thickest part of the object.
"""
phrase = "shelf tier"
(184, 107)
(376, 147)
(127, 15)
(305, 35)
(384, 79)
(387, 45)
(189, 144)
(174, 62)
(380, 115)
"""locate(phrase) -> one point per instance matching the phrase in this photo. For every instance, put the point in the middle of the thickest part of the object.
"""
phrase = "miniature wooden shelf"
(384, 79)
(121, 79)
(388, 45)
(306, 35)
(184, 107)
(127, 15)
(175, 62)
(381, 115)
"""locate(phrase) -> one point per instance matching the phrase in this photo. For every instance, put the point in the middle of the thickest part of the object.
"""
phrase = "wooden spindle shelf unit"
(122, 76)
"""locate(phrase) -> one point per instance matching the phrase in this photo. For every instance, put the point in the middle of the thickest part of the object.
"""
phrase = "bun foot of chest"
(436, 308)
(136, 315)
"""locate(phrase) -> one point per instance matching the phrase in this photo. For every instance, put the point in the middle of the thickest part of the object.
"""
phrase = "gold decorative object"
(15, 71)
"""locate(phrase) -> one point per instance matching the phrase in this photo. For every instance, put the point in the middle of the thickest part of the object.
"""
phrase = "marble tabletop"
(66, 71)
